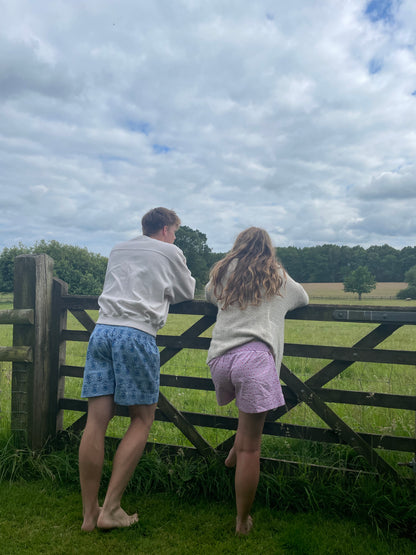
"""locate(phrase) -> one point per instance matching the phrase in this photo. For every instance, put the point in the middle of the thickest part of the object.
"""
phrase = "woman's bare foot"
(242, 528)
(90, 521)
(231, 460)
(116, 519)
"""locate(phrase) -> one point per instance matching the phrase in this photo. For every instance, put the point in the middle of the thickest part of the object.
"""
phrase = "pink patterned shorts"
(248, 375)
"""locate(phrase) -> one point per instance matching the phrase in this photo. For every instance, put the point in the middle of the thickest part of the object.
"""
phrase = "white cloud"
(298, 117)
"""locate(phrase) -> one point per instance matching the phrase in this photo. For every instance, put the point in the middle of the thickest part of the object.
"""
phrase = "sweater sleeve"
(209, 294)
(296, 294)
(183, 287)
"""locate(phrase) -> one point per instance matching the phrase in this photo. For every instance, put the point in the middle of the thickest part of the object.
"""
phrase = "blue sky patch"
(138, 126)
(380, 10)
(375, 65)
(160, 149)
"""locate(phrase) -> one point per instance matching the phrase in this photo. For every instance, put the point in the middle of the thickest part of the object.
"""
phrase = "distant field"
(387, 290)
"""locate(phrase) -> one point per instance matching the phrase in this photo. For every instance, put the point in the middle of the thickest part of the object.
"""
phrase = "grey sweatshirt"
(144, 276)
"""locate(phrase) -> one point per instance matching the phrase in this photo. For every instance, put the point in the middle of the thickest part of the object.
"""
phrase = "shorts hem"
(130, 404)
(260, 409)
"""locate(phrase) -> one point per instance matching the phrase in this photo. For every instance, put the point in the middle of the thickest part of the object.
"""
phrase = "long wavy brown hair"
(257, 272)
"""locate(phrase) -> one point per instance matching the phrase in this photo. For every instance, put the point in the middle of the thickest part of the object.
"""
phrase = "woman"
(253, 294)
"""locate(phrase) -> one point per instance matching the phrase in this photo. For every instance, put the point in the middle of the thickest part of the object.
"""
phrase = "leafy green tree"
(410, 276)
(291, 258)
(407, 258)
(359, 281)
(82, 270)
(410, 291)
(7, 266)
(199, 256)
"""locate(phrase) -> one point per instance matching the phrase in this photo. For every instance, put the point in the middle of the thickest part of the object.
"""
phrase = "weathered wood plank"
(75, 335)
(184, 426)
(341, 396)
(16, 354)
(187, 382)
(349, 436)
(84, 318)
(20, 316)
(79, 302)
(171, 413)
(336, 367)
(58, 355)
(367, 398)
(375, 315)
(333, 369)
(180, 342)
(311, 312)
(195, 308)
(33, 277)
(352, 354)
(276, 429)
(193, 332)
(79, 424)
(71, 371)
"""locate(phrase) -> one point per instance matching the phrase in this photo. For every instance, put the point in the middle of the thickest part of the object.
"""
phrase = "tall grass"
(386, 506)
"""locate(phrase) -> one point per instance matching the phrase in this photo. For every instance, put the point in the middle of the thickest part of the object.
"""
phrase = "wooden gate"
(312, 391)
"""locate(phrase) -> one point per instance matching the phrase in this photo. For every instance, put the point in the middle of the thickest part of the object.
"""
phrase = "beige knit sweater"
(264, 322)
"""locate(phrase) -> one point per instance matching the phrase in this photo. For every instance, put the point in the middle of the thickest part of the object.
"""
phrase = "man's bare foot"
(116, 519)
(231, 460)
(242, 528)
(90, 521)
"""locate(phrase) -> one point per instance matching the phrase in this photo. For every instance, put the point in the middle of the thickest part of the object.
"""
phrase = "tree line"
(332, 263)
(84, 271)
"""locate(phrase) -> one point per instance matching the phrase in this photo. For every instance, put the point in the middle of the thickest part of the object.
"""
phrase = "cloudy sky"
(299, 117)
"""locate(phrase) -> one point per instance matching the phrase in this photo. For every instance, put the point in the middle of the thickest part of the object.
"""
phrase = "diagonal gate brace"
(347, 434)
(169, 410)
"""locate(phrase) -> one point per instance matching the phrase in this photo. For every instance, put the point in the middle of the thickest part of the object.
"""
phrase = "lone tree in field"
(359, 281)
(410, 291)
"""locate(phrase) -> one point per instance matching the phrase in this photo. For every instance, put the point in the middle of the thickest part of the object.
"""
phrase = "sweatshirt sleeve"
(297, 296)
(209, 294)
(183, 287)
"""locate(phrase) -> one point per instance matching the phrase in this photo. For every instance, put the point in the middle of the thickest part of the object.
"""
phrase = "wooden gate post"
(30, 422)
(58, 354)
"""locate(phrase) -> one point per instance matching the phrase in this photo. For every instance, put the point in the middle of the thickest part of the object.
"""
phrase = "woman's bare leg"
(91, 456)
(125, 461)
(247, 447)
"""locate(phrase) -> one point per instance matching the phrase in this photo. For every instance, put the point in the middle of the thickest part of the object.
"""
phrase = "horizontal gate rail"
(17, 316)
(21, 353)
(278, 429)
(408, 317)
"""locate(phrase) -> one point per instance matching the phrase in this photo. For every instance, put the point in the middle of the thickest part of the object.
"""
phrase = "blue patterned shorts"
(123, 362)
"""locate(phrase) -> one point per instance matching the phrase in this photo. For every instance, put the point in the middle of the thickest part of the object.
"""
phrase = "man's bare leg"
(247, 447)
(125, 461)
(91, 457)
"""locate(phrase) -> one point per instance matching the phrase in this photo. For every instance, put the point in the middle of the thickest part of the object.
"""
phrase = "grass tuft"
(385, 505)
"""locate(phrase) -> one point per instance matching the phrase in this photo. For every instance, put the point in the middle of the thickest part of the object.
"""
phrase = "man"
(144, 276)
